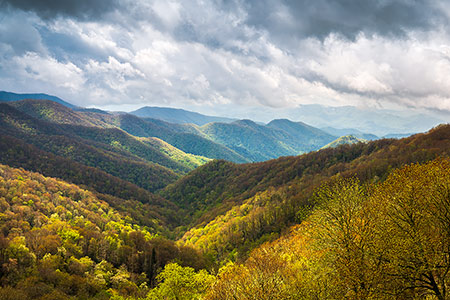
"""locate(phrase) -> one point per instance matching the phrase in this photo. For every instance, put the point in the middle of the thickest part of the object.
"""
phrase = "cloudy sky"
(216, 55)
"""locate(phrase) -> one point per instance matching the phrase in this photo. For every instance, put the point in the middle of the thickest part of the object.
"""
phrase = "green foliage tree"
(58, 241)
(181, 283)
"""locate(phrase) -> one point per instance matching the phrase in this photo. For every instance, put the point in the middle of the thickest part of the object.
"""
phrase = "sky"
(230, 57)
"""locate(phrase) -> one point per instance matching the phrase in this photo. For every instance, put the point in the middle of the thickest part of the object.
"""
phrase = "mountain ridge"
(9, 97)
(178, 115)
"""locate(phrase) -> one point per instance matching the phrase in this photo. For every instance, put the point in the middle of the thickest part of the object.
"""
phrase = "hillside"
(51, 111)
(58, 241)
(177, 116)
(262, 199)
(10, 97)
(346, 139)
(187, 142)
(185, 138)
(379, 241)
(146, 208)
(101, 129)
(302, 136)
(58, 139)
(264, 142)
(189, 160)
(249, 139)
(240, 141)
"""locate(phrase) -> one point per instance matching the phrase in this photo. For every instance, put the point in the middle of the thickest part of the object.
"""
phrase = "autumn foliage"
(363, 241)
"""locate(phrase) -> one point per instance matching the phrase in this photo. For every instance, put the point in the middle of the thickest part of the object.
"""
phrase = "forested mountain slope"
(239, 141)
(51, 111)
(384, 240)
(58, 241)
(302, 137)
(62, 140)
(186, 141)
(146, 208)
(236, 207)
(179, 136)
(249, 139)
(263, 142)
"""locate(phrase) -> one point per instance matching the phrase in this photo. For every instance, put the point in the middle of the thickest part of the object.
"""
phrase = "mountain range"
(238, 141)
(109, 205)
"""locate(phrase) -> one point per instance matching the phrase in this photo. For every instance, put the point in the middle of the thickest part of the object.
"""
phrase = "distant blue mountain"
(178, 116)
(379, 122)
(350, 131)
(9, 97)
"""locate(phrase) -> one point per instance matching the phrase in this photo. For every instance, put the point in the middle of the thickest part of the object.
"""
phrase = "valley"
(111, 205)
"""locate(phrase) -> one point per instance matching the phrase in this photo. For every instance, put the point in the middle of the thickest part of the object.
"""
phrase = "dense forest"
(234, 208)
(58, 241)
(91, 211)
(386, 240)
(383, 240)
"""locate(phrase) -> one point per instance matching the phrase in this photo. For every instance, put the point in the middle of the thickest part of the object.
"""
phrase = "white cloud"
(379, 69)
(168, 12)
(48, 70)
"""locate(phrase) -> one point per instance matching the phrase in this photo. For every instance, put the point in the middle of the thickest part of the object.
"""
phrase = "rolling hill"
(264, 142)
(249, 139)
(239, 141)
(301, 136)
(185, 141)
(185, 138)
(71, 142)
(51, 111)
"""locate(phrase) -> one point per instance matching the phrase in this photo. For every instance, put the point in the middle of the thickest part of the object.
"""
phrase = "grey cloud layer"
(319, 18)
(286, 18)
(48, 9)
(224, 52)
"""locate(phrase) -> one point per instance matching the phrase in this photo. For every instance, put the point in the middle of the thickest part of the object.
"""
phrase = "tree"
(346, 233)
(415, 234)
(391, 240)
(181, 283)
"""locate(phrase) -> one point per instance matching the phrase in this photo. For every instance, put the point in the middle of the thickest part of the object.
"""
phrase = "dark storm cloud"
(78, 9)
(319, 18)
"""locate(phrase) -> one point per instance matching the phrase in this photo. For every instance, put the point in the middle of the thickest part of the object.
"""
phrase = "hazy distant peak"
(287, 122)
(245, 122)
(177, 115)
(10, 97)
